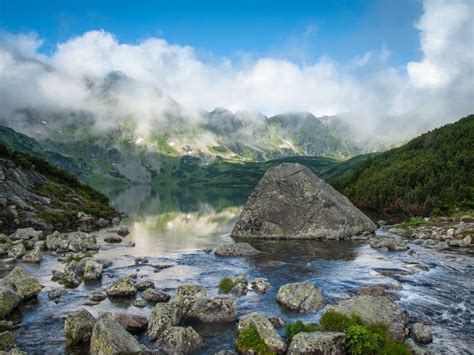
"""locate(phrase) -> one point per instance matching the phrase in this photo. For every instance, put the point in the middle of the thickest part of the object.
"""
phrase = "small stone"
(261, 285)
(421, 333)
(97, 296)
(140, 303)
(113, 239)
(56, 293)
(154, 296)
(302, 297)
(92, 271)
(318, 343)
(122, 288)
(277, 322)
(123, 231)
(143, 285)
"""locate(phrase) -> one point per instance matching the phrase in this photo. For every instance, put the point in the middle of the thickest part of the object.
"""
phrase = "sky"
(392, 64)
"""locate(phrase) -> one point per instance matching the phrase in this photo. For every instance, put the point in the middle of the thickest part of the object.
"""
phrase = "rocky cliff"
(292, 202)
(34, 193)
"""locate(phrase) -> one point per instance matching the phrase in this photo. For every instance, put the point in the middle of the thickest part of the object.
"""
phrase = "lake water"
(172, 227)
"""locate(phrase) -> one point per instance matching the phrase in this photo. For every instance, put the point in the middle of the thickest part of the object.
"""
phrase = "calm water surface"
(173, 228)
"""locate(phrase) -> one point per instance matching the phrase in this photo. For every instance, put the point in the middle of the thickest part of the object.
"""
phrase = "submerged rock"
(291, 202)
(265, 330)
(236, 249)
(300, 296)
(78, 327)
(109, 337)
(122, 288)
(179, 340)
(164, 316)
(24, 284)
(213, 309)
(318, 343)
(375, 309)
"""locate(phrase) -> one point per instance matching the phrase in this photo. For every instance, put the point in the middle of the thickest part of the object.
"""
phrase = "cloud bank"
(435, 89)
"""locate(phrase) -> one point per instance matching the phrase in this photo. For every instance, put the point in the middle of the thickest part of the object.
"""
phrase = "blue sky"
(296, 30)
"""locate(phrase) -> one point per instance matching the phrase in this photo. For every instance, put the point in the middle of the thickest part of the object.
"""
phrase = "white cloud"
(437, 89)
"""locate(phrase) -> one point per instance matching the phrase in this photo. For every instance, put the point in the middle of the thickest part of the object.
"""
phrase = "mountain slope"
(36, 194)
(433, 173)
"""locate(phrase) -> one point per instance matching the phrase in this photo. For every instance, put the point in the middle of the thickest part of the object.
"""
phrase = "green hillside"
(431, 174)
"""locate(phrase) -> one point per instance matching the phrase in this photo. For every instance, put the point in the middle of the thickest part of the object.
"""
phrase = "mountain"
(37, 194)
(431, 174)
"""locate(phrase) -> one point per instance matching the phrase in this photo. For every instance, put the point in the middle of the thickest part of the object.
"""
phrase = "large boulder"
(164, 316)
(265, 330)
(318, 343)
(78, 327)
(291, 202)
(375, 309)
(179, 340)
(24, 284)
(9, 299)
(109, 337)
(186, 295)
(213, 309)
(301, 297)
(122, 288)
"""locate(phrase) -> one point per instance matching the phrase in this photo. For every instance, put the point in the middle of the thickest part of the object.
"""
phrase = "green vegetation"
(432, 174)
(360, 338)
(292, 329)
(249, 339)
(226, 285)
(412, 222)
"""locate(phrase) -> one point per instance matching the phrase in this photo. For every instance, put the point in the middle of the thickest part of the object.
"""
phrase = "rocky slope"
(291, 202)
(33, 193)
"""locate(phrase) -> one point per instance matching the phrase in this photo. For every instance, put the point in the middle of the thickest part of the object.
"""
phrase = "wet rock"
(56, 293)
(404, 233)
(55, 241)
(265, 329)
(26, 234)
(421, 333)
(97, 296)
(318, 343)
(34, 256)
(113, 239)
(9, 299)
(154, 296)
(240, 289)
(106, 263)
(24, 284)
(143, 285)
(213, 309)
(17, 251)
(7, 340)
(261, 285)
(391, 242)
(417, 350)
(78, 327)
(131, 322)
(102, 222)
(92, 271)
(57, 275)
(375, 309)
(277, 322)
(123, 231)
(291, 202)
(122, 288)
(163, 316)
(109, 337)
(236, 249)
(179, 340)
(140, 303)
(186, 295)
(300, 296)
(467, 240)
(80, 241)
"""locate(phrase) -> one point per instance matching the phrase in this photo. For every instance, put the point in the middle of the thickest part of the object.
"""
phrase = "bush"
(292, 329)
(336, 322)
(249, 339)
(392, 347)
(226, 285)
(360, 340)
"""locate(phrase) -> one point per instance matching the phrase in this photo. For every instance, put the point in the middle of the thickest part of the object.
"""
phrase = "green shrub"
(360, 340)
(393, 347)
(292, 329)
(336, 322)
(249, 339)
(226, 285)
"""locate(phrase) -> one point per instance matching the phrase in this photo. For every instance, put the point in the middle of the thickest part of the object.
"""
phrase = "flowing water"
(174, 228)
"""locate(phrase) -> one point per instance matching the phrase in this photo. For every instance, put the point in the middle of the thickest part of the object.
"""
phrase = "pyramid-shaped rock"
(291, 202)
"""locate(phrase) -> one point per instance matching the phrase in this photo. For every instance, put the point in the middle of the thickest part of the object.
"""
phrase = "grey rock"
(23, 283)
(179, 340)
(97, 296)
(240, 289)
(163, 316)
(17, 251)
(34, 256)
(78, 327)
(143, 285)
(153, 296)
(113, 239)
(265, 329)
(375, 309)
(213, 309)
(9, 299)
(26, 234)
(391, 242)
(140, 303)
(291, 202)
(330, 343)
(277, 322)
(186, 295)
(122, 288)
(123, 231)
(7, 340)
(261, 285)
(421, 333)
(302, 297)
(131, 322)
(56, 293)
(109, 337)
(236, 249)
(404, 233)
(92, 270)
